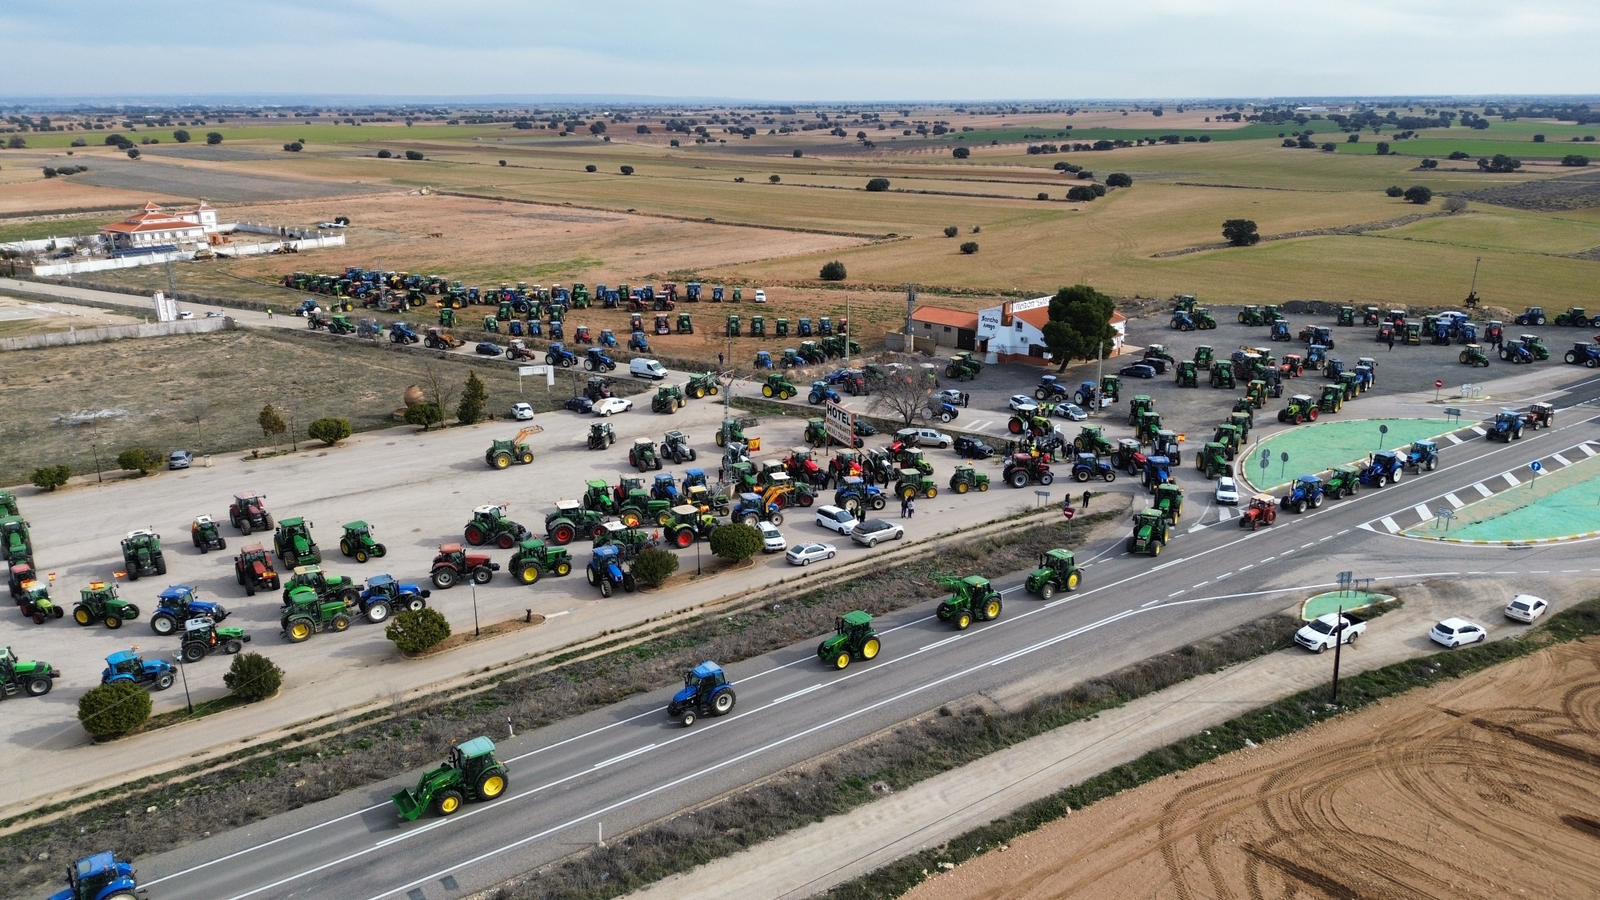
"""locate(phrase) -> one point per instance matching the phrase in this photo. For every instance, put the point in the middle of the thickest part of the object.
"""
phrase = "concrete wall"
(39, 245)
(48, 270)
(115, 333)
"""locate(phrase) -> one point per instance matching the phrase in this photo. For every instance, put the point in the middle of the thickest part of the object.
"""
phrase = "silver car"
(806, 554)
(874, 531)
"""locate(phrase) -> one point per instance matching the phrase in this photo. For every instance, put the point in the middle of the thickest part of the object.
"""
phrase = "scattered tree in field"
(181, 136)
(877, 185)
(49, 478)
(417, 631)
(903, 395)
(627, 170)
(1240, 232)
(415, 155)
(1080, 324)
(591, 168)
(271, 422)
(653, 566)
(329, 430)
(1042, 196)
(1383, 148)
(1574, 159)
(1119, 180)
(425, 414)
(969, 248)
(474, 405)
(961, 152)
(735, 542)
(18, 143)
(253, 677)
(1394, 190)
(1081, 193)
(1429, 164)
(502, 163)
(213, 137)
(951, 231)
(1353, 138)
(385, 154)
(113, 710)
(773, 179)
(1454, 205)
(138, 459)
(797, 154)
(1538, 139)
(1460, 154)
(1500, 163)
(832, 271)
(294, 146)
(976, 229)
(1418, 194)
(597, 128)
(1330, 147)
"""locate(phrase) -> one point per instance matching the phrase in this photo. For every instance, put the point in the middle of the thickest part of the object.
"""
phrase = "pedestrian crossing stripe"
(1422, 513)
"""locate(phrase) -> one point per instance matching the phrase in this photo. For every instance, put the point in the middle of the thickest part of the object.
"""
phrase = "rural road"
(626, 765)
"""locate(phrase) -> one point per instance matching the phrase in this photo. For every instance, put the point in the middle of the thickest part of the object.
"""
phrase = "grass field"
(316, 134)
(1044, 135)
(1440, 148)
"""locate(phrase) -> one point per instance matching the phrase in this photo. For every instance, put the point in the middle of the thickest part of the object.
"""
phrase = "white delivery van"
(647, 368)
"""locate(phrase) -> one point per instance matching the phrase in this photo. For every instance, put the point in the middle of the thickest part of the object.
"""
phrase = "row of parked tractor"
(397, 291)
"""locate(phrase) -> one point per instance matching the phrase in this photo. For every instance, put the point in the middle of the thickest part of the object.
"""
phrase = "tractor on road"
(384, 596)
(32, 596)
(571, 520)
(965, 478)
(306, 612)
(601, 436)
(962, 367)
(490, 525)
(1343, 481)
(702, 385)
(1024, 468)
(1222, 375)
(1263, 510)
(1150, 533)
(778, 386)
(1307, 490)
(1092, 439)
(1086, 466)
(668, 400)
(854, 638)
(689, 524)
(203, 532)
(1188, 375)
(1169, 501)
(470, 773)
(972, 599)
(855, 495)
(103, 876)
(607, 571)
(1302, 408)
(30, 677)
(706, 692)
(453, 564)
(913, 484)
(675, 446)
(502, 453)
(1473, 355)
(1057, 571)
(177, 605)
(202, 635)
(128, 667)
(1421, 456)
(1385, 467)
(248, 513)
(1507, 426)
(294, 545)
(1539, 415)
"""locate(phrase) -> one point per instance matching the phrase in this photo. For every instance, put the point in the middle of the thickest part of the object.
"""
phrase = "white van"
(647, 368)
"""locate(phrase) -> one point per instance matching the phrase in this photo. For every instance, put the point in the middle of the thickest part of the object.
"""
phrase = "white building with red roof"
(154, 226)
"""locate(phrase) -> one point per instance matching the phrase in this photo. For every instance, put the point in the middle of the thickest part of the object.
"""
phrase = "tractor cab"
(1347, 315)
(1423, 455)
(203, 531)
(470, 772)
(706, 691)
(665, 487)
(1169, 501)
(100, 877)
(1540, 415)
(1057, 570)
(854, 638)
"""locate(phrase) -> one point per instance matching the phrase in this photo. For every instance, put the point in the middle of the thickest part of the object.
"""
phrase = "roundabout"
(1321, 446)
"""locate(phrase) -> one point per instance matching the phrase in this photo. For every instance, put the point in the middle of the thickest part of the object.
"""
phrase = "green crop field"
(1441, 148)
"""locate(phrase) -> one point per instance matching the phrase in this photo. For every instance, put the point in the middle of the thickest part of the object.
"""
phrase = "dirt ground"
(20, 317)
(1479, 788)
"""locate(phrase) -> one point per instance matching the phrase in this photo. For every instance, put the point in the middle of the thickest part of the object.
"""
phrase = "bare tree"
(904, 394)
(439, 392)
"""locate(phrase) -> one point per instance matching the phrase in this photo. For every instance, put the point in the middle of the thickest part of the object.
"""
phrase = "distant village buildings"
(1010, 332)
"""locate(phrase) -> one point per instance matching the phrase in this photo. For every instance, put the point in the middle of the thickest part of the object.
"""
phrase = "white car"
(330, 225)
(923, 437)
(1526, 608)
(761, 296)
(873, 531)
(835, 519)
(1319, 634)
(1454, 632)
(1072, 412)
(611, 405)
(1227, 491)
(771, 538)
(186, 314)
(522, 412)
(1022, 403)
(806, 554)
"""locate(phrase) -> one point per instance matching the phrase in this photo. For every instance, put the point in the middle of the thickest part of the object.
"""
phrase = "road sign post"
(1537, 468)
(1382, 430)
(1438, 384)
(1284, 469)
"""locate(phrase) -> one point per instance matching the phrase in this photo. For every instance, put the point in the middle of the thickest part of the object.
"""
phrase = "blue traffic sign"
(1536, 467)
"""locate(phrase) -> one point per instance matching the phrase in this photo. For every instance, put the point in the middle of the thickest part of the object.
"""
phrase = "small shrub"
(626, 170)
(951, 231)
(969, 248)
(832, 271)
(385, 154)
(1042, 196)
(736, 542)
(877, 185)
(797, 154)
(113, 710)
(1119, 180)
(415, 155)
(417, 631)
(773, 179)
(1394, 190)
(294, 146)
(330, 431)
(976, 229)
(425, 414)
(253, 677)
(1418, 194)
(961, 152)
(1575, 159)
(1240, 232)
(1429, 164)
(1454, 204)
(138, 459)
(591, 168)
(1460, 154)
(654, 566)
(502, 163)
(50, 477)
(213, 138)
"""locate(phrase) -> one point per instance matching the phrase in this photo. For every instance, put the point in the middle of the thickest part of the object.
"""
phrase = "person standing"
(905, 505)
(911, 509)
(1086, 500)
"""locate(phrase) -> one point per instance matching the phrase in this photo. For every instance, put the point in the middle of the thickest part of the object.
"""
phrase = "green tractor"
(293, 543)
(8, 504)
(1256, 393)
(1146, 430)
(1058, 571)
(1188, 375)
(1227, 434)
(491, 525)
(1242, 421)
(1222, 373)
(502, 453)
(1251, 315)
(359, 544)
(99, 603)
(306, 612)
(597, 497)
(688, 525)
(1204, 356)
(971, 599)
(1150, 533)
(1347, 315)
(470, 773)
(668, 400)
(638, 506)
(913, 484)
(1092, 439)
(33, 597)
(1301, 409)
(571, 520)
(853, 638)
(1212, 460)
(1138, 406)
(327, 587)
(1343, 482)
(535, 558)
(1169, 502)
(963, 367)
(341, 324)
(732, 430)
(776, 386)
(1332, 399)
(702, 385)
(205, 535)
(141, 554)
(202, 635)
(965, 478)
(32, 678)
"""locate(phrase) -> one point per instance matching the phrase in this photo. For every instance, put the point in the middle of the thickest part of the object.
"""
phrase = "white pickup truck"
(1321, 633)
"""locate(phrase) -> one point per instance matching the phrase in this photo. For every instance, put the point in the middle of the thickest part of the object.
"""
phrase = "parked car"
(972, 448)
(641, 367)
(612, 405)
(771, 538)
(1323, 632)
(1137, 370)
(1022, 403)
(489, 348)
(185, 314)
(1454, 632)
(761, 295)
(1227, 491)
(1072, 412)
(522, 412)
(806, 554)
(580, 405)
(216, 314)
(952, 397)
(835, 519)
(874, 531)
(923, 437)
(1526, 608)
(180, 459)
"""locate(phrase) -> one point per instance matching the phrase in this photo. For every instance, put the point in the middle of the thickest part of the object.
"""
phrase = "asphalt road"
(626, 765)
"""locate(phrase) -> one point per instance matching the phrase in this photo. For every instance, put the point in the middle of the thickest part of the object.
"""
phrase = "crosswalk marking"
(1561, 459)
(1422, 511)
(1454, 501)
(1453, 439)
(1511, 480)
(1390, 524)
(1483, 489)
(1478, 429)
(1587, 450)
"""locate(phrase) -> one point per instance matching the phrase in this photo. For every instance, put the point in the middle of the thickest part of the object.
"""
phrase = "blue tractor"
(665, 488)
(1087, 466)
(1385, 467)
(1182, 321)
(751, 509)
(1316, 356)
(402, 333)
(100, 877)
(1507, 426)
(1308, 490)
(942, 410)
(307, 307)
(821, 391)
(596, 360)
(126, 667)
(1583, 354)
(177, 605)
(638, 342)
(557, 355)
(763, 359)
(1423, 456)
(606, 570)
(1051, 389)
(1157, 470)
(608, 338)
(854, 494)
(706, 692)
(1280, 331)
(1515, 353)
(1087, 395)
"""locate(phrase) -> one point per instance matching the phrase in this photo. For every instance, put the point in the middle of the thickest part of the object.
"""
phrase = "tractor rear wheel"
(447, 802)
(766, 391)
(502, 460)
(961, 487)
(630, 518)
(474, 535)
(298, 630)
(505, 541)
(345, 548)
(562, 534)
(724, 703)
(492, 785)
(1018, 479)
(81, 616)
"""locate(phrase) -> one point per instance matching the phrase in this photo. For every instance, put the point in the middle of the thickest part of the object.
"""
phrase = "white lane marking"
(1422, 511)
(1390, 524)
(629, 755)
(1453, 439)
(1176, 593)
(1341, 532)
(1306, 544)
(1483, 489)
(1479, 431)
(564, 612)
(800, 693)
(1587, 450)
(1511, 480)
(1246, 567)
(1270, 558)
(1561, 459)
(1223, 575)
(1453, 500)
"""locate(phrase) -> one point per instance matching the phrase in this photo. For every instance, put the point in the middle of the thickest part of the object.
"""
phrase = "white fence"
(114, 333)
(46, 270)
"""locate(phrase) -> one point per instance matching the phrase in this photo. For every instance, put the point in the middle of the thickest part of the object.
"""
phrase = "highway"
(626, 765)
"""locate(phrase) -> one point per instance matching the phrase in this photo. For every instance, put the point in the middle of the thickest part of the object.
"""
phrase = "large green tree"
(1080, 325)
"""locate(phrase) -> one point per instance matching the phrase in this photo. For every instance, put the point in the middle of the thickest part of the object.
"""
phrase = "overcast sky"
(803, 49)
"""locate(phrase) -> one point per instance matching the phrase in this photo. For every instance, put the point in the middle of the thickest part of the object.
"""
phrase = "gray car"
(180, 459)
(874, 531)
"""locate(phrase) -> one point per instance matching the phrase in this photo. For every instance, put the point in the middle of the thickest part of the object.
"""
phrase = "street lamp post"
(475, 631)
(184, 671)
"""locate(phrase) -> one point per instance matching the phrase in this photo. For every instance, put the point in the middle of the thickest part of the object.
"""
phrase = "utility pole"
(1338, 643)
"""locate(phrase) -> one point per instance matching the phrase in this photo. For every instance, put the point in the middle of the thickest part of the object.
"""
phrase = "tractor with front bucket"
(502, 453)
(965, 478)
(293, 543)
(1302, 408)
(177, 605)
(607, 571)
(1263, 510)
(706, 692)
(972, 599)
(252, 568)
(643, 456)
(383, 596)
(29, 677)
(854, 638)
(1384, 467)
(471, 773)
(248, 513)
(1150, 533)
(1307, 490)
(491, 525)
(752, 508)
(535, 558)
(453, 564)
(141, 554)
(358, 543)
(1421, 456)
(128, 667)
(1057, 571)
(202, 635)
(1169, 501)
(205, 535)
(1023, 469)
(1507, 426)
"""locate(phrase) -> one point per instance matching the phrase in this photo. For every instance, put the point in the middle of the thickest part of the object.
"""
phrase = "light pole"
(184, 671)
(475, 631)
(697, 552)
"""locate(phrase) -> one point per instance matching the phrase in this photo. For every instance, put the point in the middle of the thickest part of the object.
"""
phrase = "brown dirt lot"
(1481, 788)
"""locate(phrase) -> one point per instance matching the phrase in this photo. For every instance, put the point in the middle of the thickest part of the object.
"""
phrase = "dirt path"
(1480, 788)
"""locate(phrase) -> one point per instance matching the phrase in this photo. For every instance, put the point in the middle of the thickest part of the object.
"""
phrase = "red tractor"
(1023, 468)
(454, 563)
(252, 568)
(801, 467)
(1263, 510)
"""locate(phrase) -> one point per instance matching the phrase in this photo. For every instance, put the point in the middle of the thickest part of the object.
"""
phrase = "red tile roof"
(938, 315)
